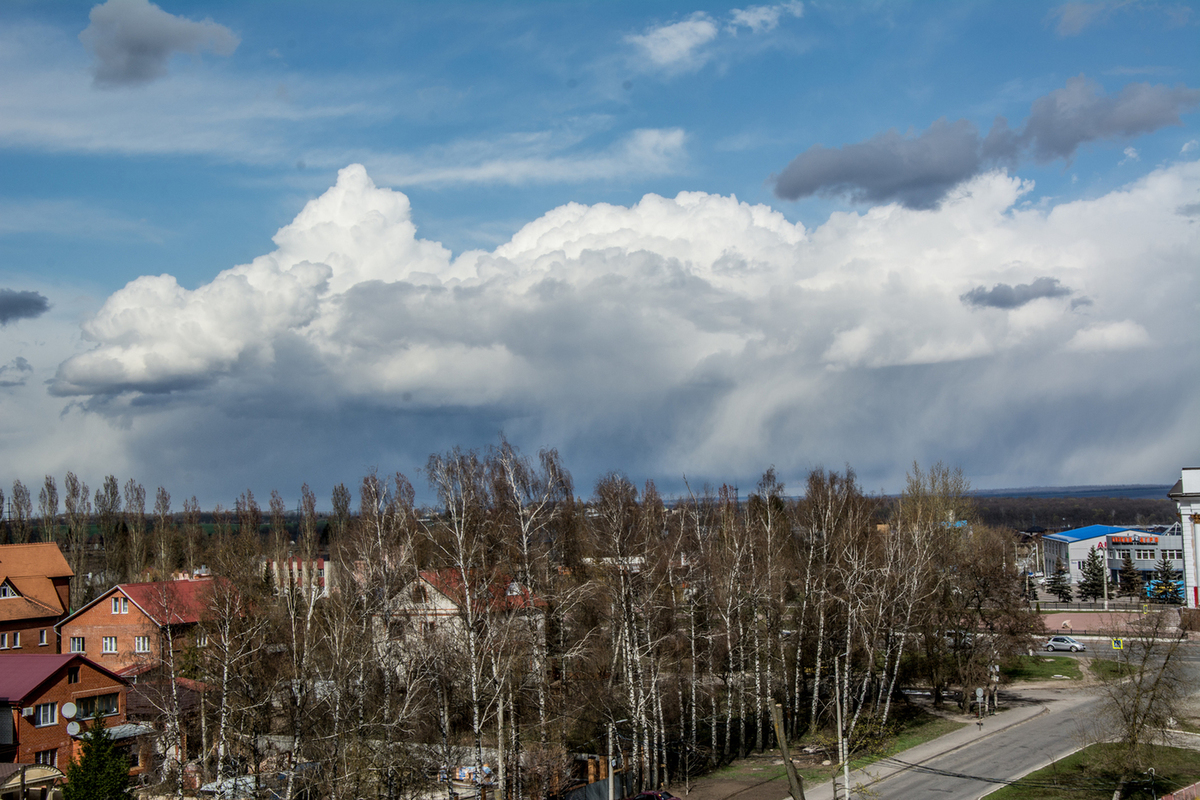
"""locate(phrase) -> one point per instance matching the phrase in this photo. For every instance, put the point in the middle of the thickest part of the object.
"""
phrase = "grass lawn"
(915, 727)
(1042, 668)
(1108, 668)
(1091, 774)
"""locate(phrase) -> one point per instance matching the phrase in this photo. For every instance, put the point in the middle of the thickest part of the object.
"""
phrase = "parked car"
(1065, 643)
(653, 794)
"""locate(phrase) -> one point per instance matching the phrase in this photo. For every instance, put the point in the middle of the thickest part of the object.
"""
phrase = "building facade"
(1145, 547)
(129, 628)
(1186, 494)
(45, 702)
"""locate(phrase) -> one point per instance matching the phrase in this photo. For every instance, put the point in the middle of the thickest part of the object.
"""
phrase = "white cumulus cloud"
(694, 333)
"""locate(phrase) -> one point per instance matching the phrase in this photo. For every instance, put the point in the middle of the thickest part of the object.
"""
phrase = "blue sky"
(256, 244)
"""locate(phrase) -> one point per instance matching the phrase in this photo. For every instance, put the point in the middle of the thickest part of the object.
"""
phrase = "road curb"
(1044, 710)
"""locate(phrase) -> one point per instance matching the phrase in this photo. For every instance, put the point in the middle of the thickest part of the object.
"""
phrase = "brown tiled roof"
(41, 558)
(39, 590)
(29, 569)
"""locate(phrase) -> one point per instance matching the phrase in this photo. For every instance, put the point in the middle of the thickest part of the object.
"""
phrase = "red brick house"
(35, 593)
(125, 628)
(45, 699)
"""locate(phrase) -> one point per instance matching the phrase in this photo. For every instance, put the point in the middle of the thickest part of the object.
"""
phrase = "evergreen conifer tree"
(101, 772)
(1130, 578)
(1059, 584)
(1166, 590)
(1091, 585)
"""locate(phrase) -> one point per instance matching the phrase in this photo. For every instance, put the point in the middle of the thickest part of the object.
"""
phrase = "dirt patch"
(748, 779)
(752, 778)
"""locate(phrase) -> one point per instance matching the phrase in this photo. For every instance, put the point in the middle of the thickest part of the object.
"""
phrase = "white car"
(1065, 643)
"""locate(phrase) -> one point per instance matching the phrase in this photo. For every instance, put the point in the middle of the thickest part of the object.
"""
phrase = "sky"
(253, 245)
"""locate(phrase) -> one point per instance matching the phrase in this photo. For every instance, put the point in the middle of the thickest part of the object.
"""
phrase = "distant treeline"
(1059, 513)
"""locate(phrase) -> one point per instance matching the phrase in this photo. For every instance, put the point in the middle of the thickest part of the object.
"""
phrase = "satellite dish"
(69, 710)
(72, 728)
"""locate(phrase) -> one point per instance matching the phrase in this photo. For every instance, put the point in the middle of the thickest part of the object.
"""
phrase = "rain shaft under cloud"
(693, 334)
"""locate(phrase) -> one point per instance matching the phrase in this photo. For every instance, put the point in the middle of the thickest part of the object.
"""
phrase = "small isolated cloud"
(14, 373)
(688, 44)
(918, 170)
(1072, 18)
(1131, 154)
(676, 45)
(1004, 296)
(21, 305)
(133, 40)
(762, 18)
(1124, 335)
(1189, 146)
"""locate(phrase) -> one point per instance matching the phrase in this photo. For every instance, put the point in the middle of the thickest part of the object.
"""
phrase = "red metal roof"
(502, 591)
(170, 602)
(22, 673)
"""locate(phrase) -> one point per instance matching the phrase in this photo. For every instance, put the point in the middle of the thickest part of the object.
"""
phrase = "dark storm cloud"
(919, 170)
(1004, 296)
(1079, 113)
(21, 305)
(133, 40)
(916, 171)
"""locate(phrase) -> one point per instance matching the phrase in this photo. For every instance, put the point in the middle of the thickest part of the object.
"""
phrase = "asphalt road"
(982, 766)
(978, 768)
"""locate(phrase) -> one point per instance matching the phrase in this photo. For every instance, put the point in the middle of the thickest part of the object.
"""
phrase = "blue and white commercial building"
(1145, 547)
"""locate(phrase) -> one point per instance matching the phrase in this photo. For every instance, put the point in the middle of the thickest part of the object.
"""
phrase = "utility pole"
(1106, 579)
(612, 776)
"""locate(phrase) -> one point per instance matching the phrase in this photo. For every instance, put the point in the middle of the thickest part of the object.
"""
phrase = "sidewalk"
(924, 752)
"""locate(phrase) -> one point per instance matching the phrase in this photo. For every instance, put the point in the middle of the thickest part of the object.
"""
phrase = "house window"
(201, 639)
(116, 605)
(47, 758)
(45, 714)
(1144, 555)
(141, 644)
(3, 641)
(8, 591)
(77, 645)
(16, 639)
(418, 594)
(124, 605)
(42, 638)
(72, 674)
(1176, 555)
(108, 644)
(106, 704)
